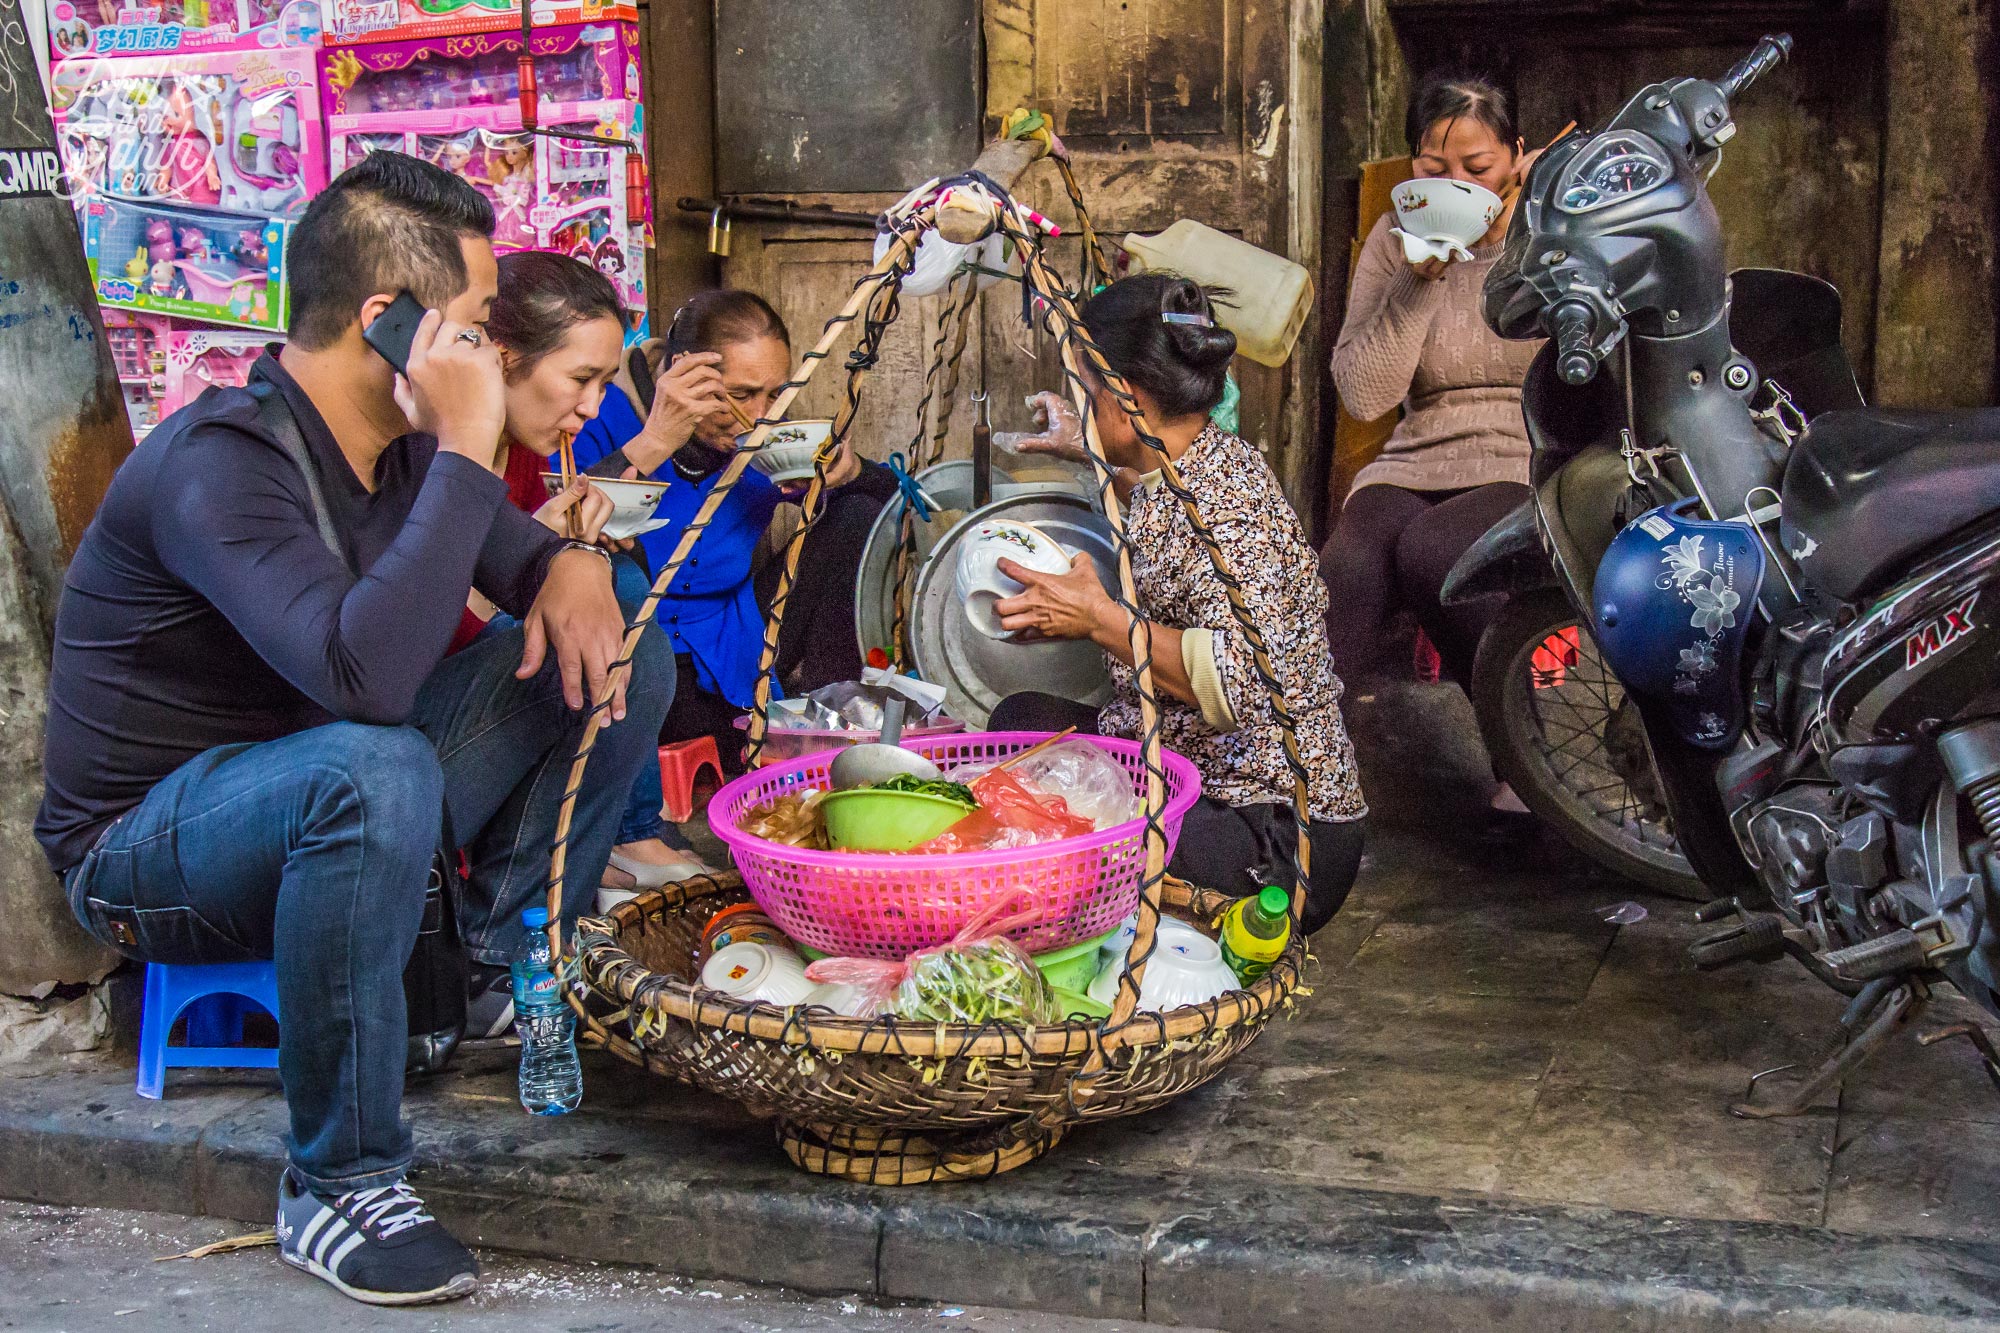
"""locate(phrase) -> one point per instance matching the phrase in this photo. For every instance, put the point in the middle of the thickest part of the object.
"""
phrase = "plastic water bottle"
(551, 1078)
(1255, 932)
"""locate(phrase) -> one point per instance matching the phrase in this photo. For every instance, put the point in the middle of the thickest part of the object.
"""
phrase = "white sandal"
(647, 875)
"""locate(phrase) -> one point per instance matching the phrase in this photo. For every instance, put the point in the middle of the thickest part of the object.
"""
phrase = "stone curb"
(701, 1194)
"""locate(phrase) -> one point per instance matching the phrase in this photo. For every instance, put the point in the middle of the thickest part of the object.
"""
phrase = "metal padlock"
(718, 233)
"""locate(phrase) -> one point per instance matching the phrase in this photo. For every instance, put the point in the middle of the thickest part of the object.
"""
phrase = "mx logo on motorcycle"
(1935, 636)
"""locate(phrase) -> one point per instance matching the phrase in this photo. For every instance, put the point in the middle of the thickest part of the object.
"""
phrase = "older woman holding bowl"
(1159, 333)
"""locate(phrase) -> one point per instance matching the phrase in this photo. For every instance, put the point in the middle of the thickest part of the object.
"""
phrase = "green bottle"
(1255, 932)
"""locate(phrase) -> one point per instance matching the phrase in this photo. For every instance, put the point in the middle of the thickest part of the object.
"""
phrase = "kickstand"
(1989, 1059)
(1900, 1007)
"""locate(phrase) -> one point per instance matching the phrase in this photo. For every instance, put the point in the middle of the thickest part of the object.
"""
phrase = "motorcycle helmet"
(1671, 605)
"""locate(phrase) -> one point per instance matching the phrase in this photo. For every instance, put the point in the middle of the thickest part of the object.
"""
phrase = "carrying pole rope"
(897, 256)
(957, 312)
(883, 307)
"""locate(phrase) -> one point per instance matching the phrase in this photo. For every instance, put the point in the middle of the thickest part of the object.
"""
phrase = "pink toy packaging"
(207, 266)
(172, 27)
(138, 349)
(197, 359)
(402, 20)
(455, 102)
(430, 82)
(239, 131)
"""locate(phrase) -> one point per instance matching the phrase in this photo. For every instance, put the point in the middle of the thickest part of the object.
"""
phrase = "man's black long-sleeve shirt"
(203, 608)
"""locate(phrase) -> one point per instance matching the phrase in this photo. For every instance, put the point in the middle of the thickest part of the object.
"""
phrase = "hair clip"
(1177, 317)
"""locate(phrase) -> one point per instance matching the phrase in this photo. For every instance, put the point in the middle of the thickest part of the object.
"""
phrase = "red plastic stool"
(680, 766)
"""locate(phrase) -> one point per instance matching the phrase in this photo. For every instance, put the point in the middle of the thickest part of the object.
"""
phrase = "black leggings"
(1237, 849)
(1392, 548)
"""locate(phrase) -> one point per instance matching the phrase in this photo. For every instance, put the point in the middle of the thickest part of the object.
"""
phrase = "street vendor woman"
(1159, 332)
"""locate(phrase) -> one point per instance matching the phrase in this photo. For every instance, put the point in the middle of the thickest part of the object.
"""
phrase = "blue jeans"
(313, 850)
(642, 818)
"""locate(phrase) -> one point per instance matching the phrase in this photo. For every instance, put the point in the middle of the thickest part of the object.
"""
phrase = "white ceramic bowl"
(753, 971)
(1186, 968)
(980, 582)
(633, 503)
(1441, 218)
(787, 453)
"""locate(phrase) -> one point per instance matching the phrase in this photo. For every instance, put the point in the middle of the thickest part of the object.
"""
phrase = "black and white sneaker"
(489, 1006)
(376, 1245)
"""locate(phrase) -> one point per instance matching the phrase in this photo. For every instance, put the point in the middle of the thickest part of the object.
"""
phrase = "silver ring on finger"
(469, 336)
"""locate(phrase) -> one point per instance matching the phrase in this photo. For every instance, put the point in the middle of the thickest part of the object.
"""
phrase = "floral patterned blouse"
(1267, 549)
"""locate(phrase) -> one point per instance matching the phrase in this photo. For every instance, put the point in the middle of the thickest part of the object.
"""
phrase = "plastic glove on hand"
(1060, 436)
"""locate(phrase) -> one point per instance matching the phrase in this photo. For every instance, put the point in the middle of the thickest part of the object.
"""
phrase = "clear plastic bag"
(1011, 814)
(1089, 782)
(980, 976)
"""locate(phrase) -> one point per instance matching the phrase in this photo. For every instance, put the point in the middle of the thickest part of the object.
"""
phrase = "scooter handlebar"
(1763, 58)
(1572, 325)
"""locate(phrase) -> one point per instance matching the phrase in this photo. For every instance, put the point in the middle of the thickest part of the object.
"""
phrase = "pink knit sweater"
(1423, 344)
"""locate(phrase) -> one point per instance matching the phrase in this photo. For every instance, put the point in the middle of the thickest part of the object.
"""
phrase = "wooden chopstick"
(742, 417)
(1035, 749)
(566, 465)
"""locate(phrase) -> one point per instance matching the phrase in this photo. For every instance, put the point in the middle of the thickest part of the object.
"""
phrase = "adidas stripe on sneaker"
(376, 1245)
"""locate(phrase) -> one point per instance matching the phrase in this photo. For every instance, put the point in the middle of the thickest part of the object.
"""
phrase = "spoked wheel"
(1561, 730)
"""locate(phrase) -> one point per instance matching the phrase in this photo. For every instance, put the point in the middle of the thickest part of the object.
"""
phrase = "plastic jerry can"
(1273, 294)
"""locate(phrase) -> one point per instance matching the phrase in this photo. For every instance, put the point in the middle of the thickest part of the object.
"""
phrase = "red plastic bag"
(1010, 814)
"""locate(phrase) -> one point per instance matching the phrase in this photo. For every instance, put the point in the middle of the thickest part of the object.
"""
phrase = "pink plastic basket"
(874, 905)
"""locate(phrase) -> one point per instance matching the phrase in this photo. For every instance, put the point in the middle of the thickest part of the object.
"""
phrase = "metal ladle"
(885, 758)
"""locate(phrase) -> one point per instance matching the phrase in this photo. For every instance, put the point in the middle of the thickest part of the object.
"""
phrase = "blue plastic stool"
(216, 997)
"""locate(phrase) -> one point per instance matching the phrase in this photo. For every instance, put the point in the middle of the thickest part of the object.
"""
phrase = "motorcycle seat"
(1867, 490)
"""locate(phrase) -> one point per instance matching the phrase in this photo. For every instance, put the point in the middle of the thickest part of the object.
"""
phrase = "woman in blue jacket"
(721, 345)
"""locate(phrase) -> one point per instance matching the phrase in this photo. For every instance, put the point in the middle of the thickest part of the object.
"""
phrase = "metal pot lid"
(950, 484)
(978, 672)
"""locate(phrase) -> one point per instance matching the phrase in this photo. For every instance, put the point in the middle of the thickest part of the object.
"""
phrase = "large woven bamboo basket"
(897, 1102)
(964, 1101)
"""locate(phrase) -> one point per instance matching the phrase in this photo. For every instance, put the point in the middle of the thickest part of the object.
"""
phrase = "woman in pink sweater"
(1458, 460)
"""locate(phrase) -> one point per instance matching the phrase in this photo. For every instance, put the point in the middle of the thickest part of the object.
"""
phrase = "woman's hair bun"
(1200, 345)
(1159, 331)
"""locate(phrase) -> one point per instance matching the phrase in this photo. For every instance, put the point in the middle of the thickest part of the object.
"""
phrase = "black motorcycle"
(1838, 789)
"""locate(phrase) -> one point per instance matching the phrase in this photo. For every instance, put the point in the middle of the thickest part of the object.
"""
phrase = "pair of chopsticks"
(566, 468)
(1033, 750)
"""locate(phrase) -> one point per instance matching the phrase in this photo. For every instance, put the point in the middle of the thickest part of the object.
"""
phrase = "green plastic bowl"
(1076, 1005)
(1074, 968)
(870, 820)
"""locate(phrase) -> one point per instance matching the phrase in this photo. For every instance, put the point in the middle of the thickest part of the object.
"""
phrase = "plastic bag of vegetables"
(978, 976)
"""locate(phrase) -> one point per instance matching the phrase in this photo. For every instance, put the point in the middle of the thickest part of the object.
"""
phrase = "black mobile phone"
(395, 329)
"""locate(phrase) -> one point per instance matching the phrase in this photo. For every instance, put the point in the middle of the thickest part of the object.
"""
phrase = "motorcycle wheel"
(1560, 730)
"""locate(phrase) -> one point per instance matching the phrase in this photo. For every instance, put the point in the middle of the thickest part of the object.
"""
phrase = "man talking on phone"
(255, 737)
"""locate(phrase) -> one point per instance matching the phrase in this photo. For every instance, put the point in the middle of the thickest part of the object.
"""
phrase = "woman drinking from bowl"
(1159, 333)
(724, 346)
(1457, 462)
(560, 330)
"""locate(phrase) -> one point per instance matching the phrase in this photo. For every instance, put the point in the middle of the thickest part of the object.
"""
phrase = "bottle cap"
(1274, 901)
(535, 918)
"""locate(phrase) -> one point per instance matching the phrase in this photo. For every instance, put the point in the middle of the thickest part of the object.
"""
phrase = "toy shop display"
(138, 349)
(197, 359)
(428, 84)
(401, 20)
(456, 102)
(234, 130)
(112, 28)
(168, 261)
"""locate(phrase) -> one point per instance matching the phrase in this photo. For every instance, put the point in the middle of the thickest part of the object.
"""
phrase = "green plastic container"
(1078, 1006)
(870, 820)
(1074, 968)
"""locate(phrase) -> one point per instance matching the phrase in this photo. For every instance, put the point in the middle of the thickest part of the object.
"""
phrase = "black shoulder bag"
(435, 978)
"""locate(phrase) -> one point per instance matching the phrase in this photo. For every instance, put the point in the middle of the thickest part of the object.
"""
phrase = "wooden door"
(1171, 109)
